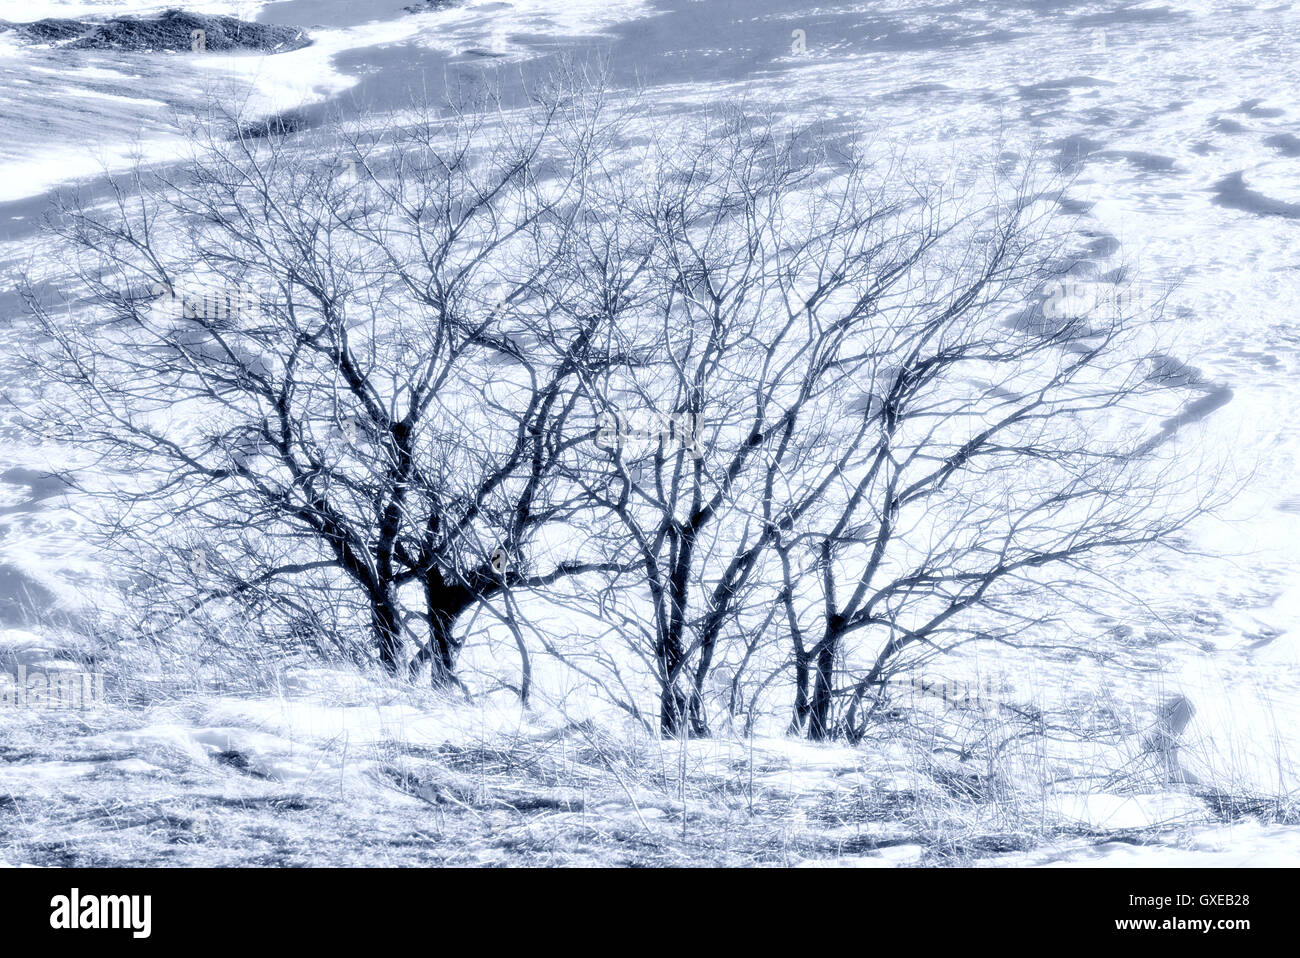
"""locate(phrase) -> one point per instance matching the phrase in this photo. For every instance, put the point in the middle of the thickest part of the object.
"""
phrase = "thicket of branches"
(740, 401)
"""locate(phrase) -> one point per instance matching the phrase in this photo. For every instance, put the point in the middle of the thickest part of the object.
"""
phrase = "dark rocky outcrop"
(170, 32)
(47, 31)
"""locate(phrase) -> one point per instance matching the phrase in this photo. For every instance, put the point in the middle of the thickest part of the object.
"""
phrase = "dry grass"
(93, 788)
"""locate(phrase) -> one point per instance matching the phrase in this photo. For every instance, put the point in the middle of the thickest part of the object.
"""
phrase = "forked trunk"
(444, 605)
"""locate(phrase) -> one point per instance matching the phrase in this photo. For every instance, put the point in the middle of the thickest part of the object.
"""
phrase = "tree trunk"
(675, 706)
(386, 621)
(443, 605)
(442, 650)
(800, 694)
(699, 720)
(673, 712)
(819, 713)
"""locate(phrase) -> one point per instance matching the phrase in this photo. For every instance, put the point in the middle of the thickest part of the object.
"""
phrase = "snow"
(1164, 101)
(23, 178)
(25, 11)
(255, 84)
(264, 85)
(1246, 845)
(494, 27)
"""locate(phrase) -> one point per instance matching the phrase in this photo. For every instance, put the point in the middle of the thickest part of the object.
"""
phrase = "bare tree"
(993, 464)
(792, 408)
(868, 424)
(720, 364)
(336, 390)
